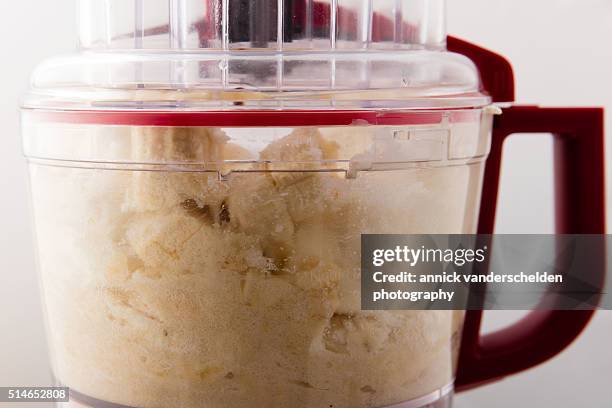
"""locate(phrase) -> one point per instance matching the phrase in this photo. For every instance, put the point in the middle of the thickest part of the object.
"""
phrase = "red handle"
(580, 209)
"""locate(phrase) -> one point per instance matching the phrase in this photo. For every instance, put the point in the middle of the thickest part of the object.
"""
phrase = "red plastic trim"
(580, 209)
(279, 118)
(496, 71)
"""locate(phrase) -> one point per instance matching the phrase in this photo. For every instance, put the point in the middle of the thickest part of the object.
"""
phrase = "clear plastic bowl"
(200, 186)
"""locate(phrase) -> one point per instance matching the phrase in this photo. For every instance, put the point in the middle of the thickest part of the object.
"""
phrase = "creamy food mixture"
(177, 289)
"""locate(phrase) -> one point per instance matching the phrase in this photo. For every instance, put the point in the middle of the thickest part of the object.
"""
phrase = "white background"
(562, 54)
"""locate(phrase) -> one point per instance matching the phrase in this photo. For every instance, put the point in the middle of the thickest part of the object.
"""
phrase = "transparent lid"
(259, 54)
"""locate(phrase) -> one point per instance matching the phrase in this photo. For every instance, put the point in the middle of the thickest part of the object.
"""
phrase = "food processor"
(202, 172)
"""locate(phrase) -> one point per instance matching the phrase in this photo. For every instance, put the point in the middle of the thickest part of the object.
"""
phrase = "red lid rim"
(260, 118)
